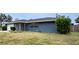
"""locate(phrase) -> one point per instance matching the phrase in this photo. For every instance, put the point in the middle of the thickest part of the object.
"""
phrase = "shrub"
(13, 28)
(63, 24)
(0, 27)
(4, 28)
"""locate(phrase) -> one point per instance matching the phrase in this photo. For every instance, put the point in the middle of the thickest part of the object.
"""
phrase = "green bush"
(63, 24)
(4, 28)
(0, 27)
(13, 28)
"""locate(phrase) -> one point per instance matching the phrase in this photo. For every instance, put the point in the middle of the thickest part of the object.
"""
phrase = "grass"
(37, 38)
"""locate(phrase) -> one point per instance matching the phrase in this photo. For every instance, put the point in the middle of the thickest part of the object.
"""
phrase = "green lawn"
(36, 38)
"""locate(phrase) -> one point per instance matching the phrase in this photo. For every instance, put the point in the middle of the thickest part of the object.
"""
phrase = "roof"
(46, 19)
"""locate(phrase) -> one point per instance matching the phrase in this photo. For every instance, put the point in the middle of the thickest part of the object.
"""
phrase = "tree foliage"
(77, 19)
(4, 17)
(63, 24)
(9, 18)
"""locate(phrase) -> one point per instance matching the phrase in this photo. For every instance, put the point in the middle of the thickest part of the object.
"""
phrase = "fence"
(75, 28)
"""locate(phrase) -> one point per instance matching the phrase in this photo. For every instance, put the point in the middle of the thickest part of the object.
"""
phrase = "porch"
(20, 26)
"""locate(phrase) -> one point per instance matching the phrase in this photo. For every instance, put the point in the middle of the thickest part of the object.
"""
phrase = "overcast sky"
(41, 15)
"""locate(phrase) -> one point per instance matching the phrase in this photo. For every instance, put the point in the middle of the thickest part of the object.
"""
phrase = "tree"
(9, 18)
(2, 17)
(63, 24)
(5, 18)
(77, 19)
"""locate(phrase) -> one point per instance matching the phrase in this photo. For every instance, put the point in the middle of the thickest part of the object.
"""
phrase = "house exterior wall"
(38, 27)
(16, 26)
(9, 26)
(42, 27)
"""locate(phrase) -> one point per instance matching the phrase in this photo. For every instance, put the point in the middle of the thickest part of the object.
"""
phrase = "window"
(34, 26)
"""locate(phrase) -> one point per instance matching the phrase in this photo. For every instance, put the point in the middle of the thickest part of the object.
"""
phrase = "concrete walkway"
(4, 31)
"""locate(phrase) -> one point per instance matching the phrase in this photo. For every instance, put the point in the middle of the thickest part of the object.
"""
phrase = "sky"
(28, 16)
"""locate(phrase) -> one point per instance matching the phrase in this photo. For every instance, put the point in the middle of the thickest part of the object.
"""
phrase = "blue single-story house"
(40, 25)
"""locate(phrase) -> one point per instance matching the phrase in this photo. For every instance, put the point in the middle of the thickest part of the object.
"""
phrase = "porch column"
(19, 27)
(24, 27)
